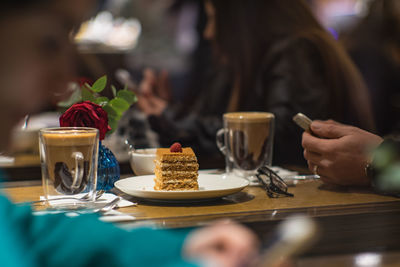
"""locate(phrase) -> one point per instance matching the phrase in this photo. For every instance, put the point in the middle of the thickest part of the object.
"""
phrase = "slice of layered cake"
(176, 168)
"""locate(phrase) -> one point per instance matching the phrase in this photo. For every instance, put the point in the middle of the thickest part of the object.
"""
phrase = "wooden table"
(368, 259)
(27, 167)
(351, 220)
(24, 167)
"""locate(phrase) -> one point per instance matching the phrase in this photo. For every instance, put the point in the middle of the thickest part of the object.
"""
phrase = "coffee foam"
(248, 116)
(69, 138)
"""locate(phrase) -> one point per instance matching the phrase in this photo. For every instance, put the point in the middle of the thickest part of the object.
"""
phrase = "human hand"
(342, 156)
(154, 92)
(225, 244)
(151, 105)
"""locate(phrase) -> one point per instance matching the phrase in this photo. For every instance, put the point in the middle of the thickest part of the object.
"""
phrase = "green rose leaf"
(102, 100)
(119, 104)
(114, 90)
(127, 95)
(113, 122)
(100, 84)
(87, 86)
(87, 95)
(111, 112)
(115, 107)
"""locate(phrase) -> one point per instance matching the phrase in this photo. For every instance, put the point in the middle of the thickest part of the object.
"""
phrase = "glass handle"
(78, 174)
(220, 140)
(26, 121)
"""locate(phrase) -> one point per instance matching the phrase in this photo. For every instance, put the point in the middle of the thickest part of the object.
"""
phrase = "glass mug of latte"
(247, 142)
(69, 164)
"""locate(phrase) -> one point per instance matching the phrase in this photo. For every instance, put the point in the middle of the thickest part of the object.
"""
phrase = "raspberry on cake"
(176, 147)
(176, 168)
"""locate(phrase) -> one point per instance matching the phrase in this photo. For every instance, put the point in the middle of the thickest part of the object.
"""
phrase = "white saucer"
(210, 186)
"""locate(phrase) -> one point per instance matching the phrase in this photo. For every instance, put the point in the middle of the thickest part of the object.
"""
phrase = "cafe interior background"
(122, 39)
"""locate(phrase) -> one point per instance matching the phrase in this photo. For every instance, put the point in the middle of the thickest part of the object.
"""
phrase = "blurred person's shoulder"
(294, 49)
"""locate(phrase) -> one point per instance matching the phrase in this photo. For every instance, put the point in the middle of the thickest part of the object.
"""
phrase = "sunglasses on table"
(272, 183)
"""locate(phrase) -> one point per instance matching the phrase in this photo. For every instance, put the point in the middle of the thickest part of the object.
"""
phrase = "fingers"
(144, 104)
(334, 122)
(156, 84)
(317, 168)
(149, 74)
(312, 156)
(159, 105)
(148, 82)
(315, 144)
(327, 180)
(329, 129)
(164, 87)
(318, 164)
(323, 172)
(151, 105)
(218, 244)
(326, 171)
(316, 152)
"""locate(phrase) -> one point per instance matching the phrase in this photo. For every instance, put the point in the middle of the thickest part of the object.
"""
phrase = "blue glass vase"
(107, 170)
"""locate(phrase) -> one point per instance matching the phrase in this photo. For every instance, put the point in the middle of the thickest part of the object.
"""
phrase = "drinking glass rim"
(65, 130)
(253, 115)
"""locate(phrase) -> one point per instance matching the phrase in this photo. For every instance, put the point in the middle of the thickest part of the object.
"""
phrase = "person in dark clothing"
(374, 45)
(346, 155)
(276, 58)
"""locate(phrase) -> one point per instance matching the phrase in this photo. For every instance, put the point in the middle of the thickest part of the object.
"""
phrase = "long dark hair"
(15, 5)
(246, 31)
(12, 7)
(383, 22)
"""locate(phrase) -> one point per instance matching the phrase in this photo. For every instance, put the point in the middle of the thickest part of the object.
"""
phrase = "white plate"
(210, 186)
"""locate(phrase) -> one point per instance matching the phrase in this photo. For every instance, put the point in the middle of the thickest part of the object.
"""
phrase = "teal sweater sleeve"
(57, 240)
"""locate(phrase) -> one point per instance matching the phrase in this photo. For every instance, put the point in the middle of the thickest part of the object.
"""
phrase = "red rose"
(86, 114)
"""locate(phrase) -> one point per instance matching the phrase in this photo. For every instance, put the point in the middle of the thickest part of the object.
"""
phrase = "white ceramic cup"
(142, 160)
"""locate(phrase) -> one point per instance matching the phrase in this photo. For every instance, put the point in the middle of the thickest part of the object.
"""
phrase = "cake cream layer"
(167, 163)
(164, 154)
(176, 170)
(167, 175)
(186, 184)
(182, 166)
